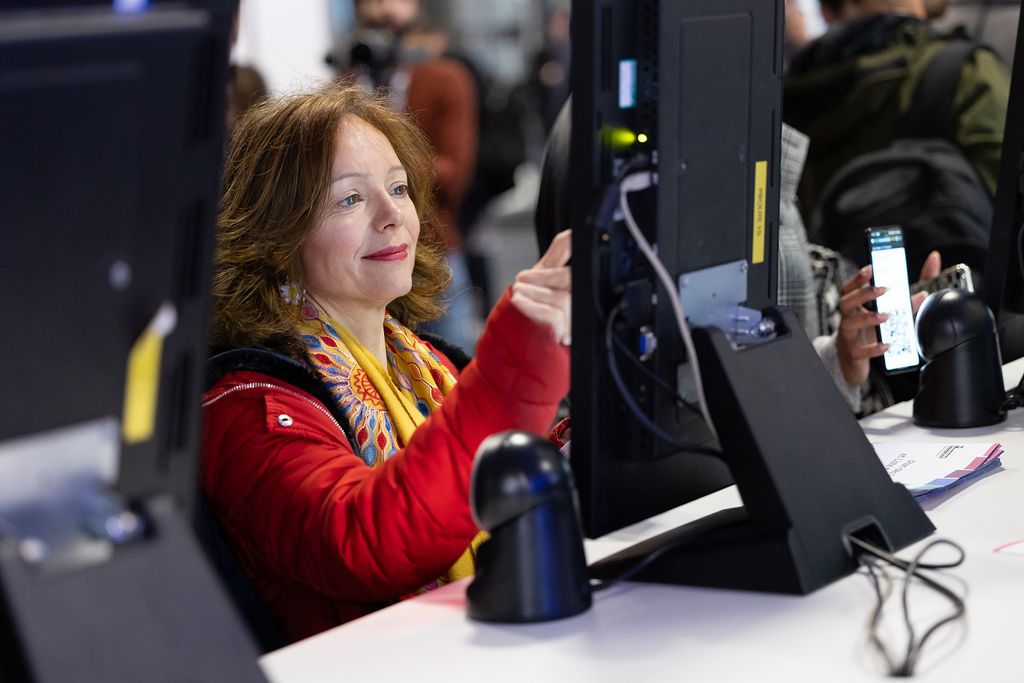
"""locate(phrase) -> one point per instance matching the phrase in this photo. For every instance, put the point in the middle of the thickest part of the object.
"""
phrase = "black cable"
(611, 342)
(634, 407)
(869, 556)
(959, 608)
(1014, 399)
(668, 388)
(603, 218)
(642, 564)
(876, 614)
(900, 563)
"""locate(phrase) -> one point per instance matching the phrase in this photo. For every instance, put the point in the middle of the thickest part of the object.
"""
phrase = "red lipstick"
(396, 253)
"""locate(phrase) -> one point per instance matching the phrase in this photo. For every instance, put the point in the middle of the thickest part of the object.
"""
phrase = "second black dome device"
(533, 567)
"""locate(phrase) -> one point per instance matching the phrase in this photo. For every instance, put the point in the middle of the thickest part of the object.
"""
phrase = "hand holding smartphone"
(889, 270)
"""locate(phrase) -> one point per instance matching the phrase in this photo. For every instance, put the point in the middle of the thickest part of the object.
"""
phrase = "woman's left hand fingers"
(558, 252)
(558, 318)
(553, 278)
(557, 300)
(553, 297)
(544, 292)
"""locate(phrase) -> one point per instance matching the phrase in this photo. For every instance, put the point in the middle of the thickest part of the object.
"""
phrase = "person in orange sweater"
(338, 443)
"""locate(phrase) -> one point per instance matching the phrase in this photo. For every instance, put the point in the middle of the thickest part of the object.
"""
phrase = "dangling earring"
(292, 293)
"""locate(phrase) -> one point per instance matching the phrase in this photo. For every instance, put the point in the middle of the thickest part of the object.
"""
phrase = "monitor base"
(805, 471)
(723, 550)
(154, 611)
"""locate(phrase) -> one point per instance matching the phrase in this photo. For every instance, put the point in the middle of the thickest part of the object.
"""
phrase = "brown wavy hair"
(276, 180)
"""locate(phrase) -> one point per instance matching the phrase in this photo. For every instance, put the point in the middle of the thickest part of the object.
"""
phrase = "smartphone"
(889, 270)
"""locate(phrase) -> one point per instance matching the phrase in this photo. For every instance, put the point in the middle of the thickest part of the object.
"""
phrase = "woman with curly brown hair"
(338, 444)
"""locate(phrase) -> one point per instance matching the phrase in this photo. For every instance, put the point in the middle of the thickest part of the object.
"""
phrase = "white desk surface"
(648, 632)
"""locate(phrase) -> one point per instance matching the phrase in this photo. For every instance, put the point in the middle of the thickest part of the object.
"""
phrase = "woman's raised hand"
(543, 293)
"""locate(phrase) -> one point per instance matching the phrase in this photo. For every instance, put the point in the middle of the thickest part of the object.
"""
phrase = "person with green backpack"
(882, 75)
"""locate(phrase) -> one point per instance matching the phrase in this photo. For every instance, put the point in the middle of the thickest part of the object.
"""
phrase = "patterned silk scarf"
(383, 405)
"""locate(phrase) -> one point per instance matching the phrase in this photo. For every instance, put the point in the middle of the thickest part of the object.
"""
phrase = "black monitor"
(676, 106)
(1003, 285)
(693, 90)
(112, 129)
(112, 136)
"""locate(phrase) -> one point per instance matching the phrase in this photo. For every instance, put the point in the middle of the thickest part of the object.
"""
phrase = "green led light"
(619, 138)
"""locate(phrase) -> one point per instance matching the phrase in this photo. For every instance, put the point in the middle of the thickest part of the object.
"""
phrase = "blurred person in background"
(934, 9)
(550, 78)
(500, 149)
(993, 22)
(796, 30)
(393, 50)
(849, 90)
(246, 88)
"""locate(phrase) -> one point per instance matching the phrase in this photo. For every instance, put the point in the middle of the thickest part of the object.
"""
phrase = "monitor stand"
(93, 588)
(807, 475)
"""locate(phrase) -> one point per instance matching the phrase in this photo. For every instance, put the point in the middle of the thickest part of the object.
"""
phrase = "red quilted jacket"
(323, 537)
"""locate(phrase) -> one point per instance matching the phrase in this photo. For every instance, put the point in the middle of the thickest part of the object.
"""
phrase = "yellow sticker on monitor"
(142, 384)
(760, 205)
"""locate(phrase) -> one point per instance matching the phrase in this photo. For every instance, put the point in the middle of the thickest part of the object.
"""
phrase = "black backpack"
(921, 182)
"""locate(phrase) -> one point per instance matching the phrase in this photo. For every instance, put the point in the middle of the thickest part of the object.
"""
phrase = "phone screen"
(889, 270)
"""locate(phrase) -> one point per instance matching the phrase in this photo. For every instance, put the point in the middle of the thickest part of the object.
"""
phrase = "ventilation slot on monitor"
(187, 284)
